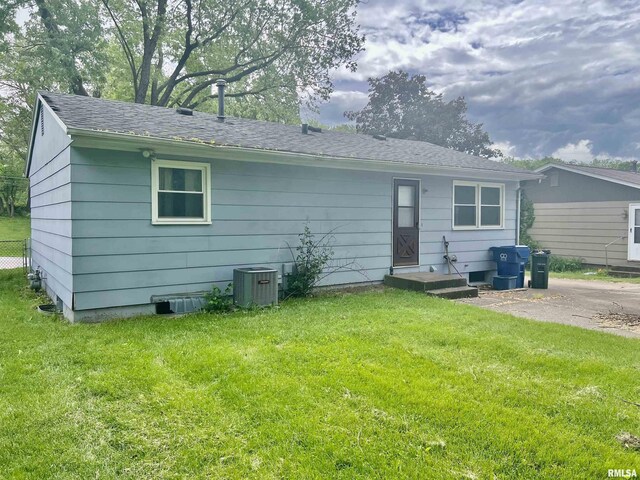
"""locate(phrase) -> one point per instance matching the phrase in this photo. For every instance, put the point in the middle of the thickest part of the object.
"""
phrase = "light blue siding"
(120, 258)
(50, 186)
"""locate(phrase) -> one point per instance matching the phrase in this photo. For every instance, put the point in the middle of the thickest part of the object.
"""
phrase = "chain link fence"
(14, 254)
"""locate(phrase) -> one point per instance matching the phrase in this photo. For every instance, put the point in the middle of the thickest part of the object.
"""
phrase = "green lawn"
(593, 274)
(18, 228)
(383, 384)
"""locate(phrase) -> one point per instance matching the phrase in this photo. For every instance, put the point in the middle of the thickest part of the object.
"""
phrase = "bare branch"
(123, 42)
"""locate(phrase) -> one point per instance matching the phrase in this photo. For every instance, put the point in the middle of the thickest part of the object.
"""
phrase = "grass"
(382, 384)
(593, 274)
(17, 228)
(12, 229)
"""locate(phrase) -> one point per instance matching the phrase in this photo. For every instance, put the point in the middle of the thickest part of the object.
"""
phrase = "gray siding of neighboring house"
(50, 186)
(120, 258)
(582, 229)
(581, 215)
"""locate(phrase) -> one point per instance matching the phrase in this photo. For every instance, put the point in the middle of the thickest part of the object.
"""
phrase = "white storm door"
(634, 232)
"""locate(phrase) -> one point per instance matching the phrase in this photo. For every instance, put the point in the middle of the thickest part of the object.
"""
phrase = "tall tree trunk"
(149, 49)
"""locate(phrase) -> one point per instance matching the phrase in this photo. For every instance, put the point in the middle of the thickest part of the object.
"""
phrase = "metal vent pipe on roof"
(221, 84)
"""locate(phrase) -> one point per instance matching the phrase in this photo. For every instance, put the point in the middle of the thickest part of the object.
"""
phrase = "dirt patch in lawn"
(629, 441)
(626, 321)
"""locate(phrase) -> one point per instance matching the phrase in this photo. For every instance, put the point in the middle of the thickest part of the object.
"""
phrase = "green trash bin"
(540, 269)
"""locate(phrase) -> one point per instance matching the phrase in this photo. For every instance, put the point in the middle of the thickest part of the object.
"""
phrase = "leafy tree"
(532, 163)
(401, 106)
(61, 51)
(535, 163)
(625, 165)
(175, 51)
(13, 188)
(527, 219)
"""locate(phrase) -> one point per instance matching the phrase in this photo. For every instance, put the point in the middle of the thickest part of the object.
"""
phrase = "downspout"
(518, 202)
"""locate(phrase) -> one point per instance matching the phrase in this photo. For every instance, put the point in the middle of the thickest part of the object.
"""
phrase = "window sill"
(181, 222)
(478, 228)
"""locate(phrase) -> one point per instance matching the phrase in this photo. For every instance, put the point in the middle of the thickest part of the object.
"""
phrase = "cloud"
(580, 152)
(540, 76)
(507, 148)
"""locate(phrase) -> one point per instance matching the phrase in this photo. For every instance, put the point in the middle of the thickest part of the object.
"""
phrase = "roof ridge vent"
(184, 111)
(379, 137)
(315, 129)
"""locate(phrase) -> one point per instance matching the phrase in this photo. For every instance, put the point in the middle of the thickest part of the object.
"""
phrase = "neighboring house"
(579, 210)
(131, 203)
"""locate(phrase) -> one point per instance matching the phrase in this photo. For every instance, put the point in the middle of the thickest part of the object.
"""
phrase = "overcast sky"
(555, 78)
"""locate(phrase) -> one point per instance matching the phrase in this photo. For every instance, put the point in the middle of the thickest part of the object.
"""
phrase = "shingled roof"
(622, 177)
(94, 114)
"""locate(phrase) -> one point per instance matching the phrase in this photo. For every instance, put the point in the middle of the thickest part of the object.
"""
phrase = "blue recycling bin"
(511, 261)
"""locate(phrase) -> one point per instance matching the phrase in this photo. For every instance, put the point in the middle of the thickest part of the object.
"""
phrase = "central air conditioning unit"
(255, 286)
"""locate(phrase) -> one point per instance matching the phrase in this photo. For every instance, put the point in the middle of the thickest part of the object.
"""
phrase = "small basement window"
(478, 277)
(180, 192)
(478, 205)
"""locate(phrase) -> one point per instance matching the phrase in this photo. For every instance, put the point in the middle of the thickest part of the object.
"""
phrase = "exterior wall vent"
(255, 286)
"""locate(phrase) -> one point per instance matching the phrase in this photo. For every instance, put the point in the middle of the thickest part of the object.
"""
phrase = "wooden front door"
(406, 222)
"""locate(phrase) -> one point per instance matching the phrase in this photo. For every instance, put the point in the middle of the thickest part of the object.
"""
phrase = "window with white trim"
(478, 205)
(180, 192)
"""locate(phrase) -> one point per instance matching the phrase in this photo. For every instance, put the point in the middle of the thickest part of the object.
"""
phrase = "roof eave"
(568, 168)
(180, 147)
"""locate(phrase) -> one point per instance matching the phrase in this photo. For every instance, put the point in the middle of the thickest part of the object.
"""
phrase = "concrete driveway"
(596, 305)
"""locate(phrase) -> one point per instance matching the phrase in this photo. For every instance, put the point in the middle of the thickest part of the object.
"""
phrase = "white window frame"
(478, 186)
(205, 168)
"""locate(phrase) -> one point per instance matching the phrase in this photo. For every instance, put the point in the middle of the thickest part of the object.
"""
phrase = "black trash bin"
(540, 269)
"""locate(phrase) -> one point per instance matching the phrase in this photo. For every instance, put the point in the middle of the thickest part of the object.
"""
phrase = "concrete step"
(454, 292)
(424, 282)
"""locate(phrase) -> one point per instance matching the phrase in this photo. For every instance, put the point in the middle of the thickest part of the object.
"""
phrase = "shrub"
(310, 259)
(561, 264)
(219, 301)
(527, 218)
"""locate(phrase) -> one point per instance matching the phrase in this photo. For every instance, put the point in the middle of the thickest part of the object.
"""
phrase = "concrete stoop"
(433, 284)
(454, 293)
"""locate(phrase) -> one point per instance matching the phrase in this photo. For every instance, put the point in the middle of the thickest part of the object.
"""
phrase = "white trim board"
(205, 168)
(478, 205)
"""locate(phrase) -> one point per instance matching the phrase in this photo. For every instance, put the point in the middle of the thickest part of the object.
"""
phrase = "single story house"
(132, 202)
(588, 212)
